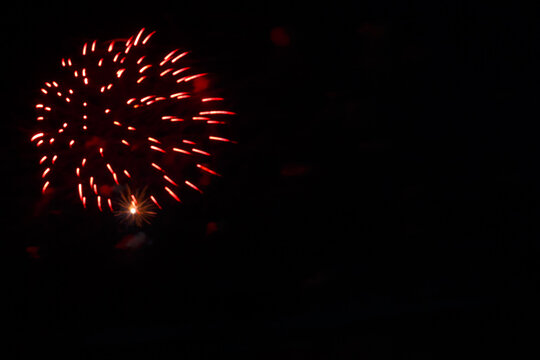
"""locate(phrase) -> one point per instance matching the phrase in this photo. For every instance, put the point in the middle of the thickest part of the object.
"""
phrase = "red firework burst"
(120, 116)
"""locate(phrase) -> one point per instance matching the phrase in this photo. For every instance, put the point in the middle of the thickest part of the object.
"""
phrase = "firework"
(123, 116)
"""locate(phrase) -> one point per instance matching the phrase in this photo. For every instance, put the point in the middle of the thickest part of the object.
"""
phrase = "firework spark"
(128, 108)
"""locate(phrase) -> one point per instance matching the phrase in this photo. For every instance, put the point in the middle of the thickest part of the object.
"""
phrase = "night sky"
(382, 202)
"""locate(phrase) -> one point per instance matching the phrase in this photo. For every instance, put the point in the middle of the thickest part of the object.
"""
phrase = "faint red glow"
(201, 84)
(33, 251)
(279, 37)
(211, 228)
(371, 30)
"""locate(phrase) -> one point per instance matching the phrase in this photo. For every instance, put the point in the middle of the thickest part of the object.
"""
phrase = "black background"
(382, 202)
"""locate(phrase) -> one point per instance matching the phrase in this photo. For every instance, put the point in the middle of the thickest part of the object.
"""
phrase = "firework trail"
(121, 116)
